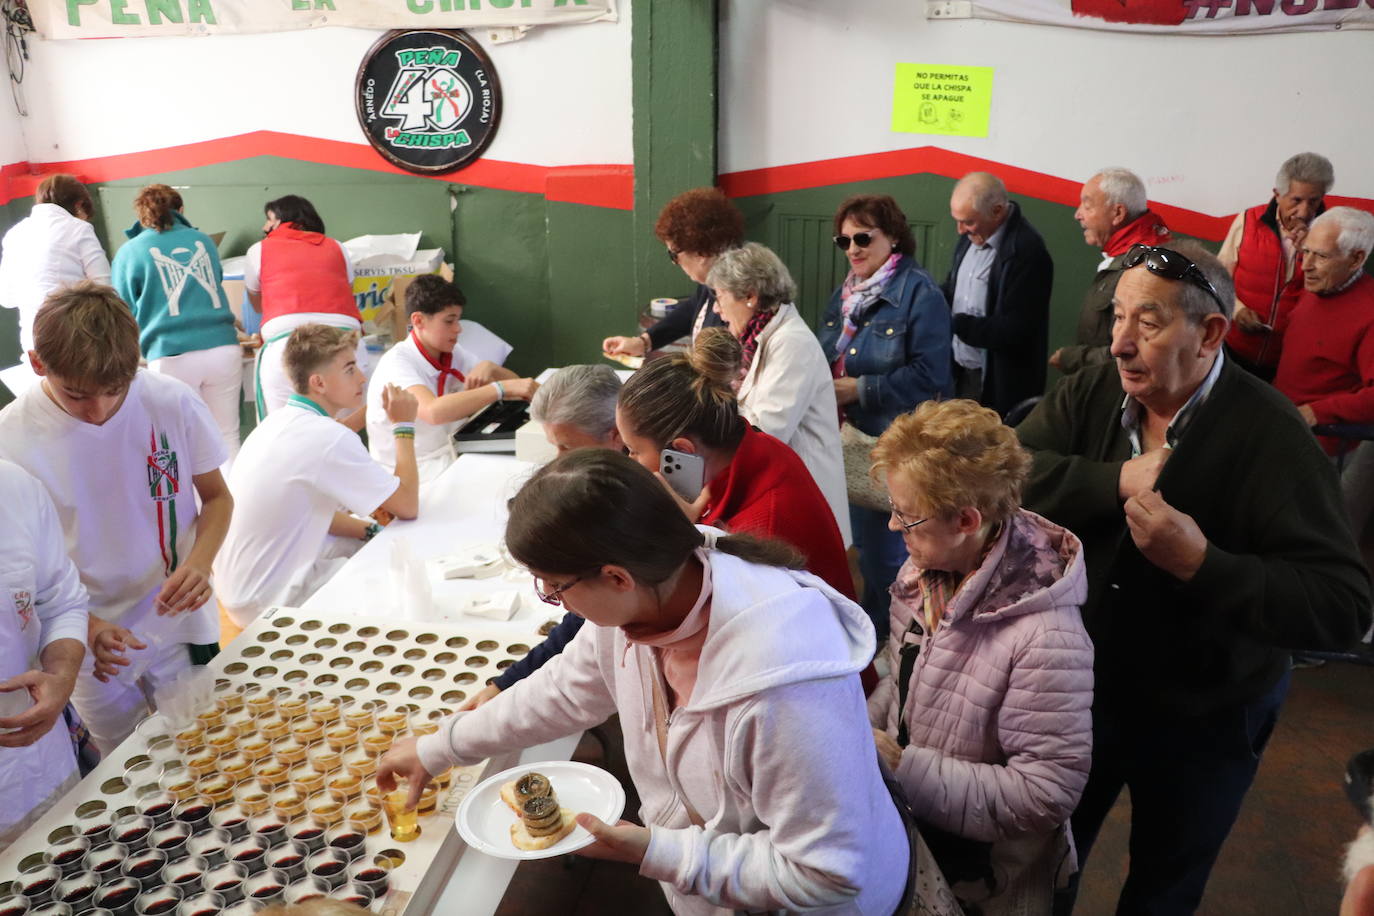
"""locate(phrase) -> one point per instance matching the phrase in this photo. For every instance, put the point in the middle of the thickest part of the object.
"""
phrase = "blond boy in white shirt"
(131, 460)
(296, 470)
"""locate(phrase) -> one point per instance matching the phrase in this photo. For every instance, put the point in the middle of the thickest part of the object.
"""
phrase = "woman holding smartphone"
(682, 408)
(745, 728)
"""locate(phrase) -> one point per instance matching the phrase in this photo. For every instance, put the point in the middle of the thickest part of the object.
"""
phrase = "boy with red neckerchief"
(450, 383)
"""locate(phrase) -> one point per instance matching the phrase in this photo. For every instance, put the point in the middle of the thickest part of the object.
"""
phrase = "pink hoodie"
(772, 748)
(999, 711)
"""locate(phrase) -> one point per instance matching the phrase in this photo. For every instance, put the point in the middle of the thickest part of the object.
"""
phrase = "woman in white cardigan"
(786, 388)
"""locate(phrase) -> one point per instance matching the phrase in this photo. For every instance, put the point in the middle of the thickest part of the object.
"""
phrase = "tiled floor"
(1283, 856)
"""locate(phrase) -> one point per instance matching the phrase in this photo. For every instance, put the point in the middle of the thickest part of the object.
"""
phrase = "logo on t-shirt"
(164, 482)
(175, 270)
(23, 606)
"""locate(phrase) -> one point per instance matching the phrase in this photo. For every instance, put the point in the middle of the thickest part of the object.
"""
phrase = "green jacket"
(1093, 342)
(1282, 571)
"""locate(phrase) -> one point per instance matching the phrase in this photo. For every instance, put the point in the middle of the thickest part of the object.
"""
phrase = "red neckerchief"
(749, 340)
(1145, 229)
(444, 364)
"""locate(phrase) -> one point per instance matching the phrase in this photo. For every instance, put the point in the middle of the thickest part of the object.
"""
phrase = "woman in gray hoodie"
(736, 681)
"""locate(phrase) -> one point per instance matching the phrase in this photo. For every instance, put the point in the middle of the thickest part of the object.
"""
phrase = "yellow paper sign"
(931, 99)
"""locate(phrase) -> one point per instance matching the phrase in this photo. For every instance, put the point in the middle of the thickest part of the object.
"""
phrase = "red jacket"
(767, 491)
(300, 273)
(1260, 285)
(1327, 360)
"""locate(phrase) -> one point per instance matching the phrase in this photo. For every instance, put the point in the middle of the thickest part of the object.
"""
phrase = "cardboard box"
(390, 317)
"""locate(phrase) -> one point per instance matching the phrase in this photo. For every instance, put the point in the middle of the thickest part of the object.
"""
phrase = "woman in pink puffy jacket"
(985, 714)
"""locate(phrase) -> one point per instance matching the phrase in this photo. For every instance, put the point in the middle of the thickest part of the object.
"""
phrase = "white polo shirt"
(45, 251)
(404, 365)
(296, 469)
(124, 493)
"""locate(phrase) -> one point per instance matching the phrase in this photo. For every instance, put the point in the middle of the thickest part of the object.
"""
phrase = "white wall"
(567, 92)
(11, 133)
(1205, 121)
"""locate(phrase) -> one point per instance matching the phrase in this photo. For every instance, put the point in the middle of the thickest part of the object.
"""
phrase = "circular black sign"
(428, 100)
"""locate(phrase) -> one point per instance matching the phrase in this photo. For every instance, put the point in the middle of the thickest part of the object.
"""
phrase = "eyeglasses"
(1168, 263)
(862, 239)
(555, 597)
(901, 519)
(674, 255)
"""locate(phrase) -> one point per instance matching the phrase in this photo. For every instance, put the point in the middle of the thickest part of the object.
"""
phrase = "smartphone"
(685, 473)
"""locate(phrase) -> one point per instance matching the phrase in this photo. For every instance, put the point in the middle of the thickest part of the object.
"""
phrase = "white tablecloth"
(465, 504)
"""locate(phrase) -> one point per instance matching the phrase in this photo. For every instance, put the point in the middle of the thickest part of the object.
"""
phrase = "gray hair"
(987, 189)
(579, 396)
(753, 269)
(1309, 168)
(1196, 302)
(1356, 229)
(1122, 186)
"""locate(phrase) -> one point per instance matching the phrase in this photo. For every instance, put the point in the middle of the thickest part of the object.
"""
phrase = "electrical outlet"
(949, 9)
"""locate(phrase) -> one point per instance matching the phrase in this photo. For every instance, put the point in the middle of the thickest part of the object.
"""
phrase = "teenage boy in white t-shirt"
(296, 470)
(124, 454)
(449, 382)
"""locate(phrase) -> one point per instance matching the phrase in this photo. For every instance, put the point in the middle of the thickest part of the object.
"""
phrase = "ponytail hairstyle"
(595, 507)
(68, 193)
(155, 205)
(688, 394)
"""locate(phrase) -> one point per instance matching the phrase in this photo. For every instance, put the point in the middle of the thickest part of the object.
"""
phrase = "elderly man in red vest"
(1115, 215)
(1326, 364)
(1261, 252)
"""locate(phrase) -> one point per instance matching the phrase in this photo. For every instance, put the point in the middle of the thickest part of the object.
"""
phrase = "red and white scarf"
(859, 296)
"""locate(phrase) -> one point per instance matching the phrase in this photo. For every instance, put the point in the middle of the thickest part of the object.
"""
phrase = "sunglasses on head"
(862, 239)
(1170, 264)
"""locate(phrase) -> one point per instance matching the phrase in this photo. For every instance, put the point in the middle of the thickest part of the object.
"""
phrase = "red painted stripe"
(609, 186)
(933, 160)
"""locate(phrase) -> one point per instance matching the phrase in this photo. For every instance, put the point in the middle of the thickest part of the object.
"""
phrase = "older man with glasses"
(1216, 543)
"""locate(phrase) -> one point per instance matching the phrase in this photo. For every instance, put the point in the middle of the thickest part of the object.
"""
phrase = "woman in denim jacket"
(886, 333)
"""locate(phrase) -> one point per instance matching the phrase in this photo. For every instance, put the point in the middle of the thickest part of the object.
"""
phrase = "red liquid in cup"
(68, 856)
(208, 911)
(12, 911)
(39, 887)
(170, 842)
(194, 813)
(161, 906)
(118, 898)
(189, 877)
(289, 861)
(309, 833)
(80, 893)
(269, 890)
(329, 868)
(226, 885)
(248, 855)
(359, 899)
(145, 868)
(159, 809)
(371, 874)
(347, 840)
(133, 835)
(94, 829)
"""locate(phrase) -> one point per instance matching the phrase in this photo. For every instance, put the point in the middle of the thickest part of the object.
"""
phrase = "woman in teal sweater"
(169, 273)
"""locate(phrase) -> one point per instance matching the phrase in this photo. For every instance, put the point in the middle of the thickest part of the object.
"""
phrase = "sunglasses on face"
(862, 239)
(1172, 265)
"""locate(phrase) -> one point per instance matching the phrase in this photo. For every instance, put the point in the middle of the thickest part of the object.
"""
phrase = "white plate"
(484, 820)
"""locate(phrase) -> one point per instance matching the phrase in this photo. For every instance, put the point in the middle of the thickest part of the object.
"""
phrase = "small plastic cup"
(364, 814)
(203, 760)
(305, 778)
(38, 880)
(254, 796)
(308, 832)
(118, 894)
(376, 741)
(344, 786)
(271, 771)
(288, 801)
(194, 812)
(185, 872)
(131, 831)
(222, 738)
(77, 889)
(290, 750)
(292, 706)
(307, 888)
(156, 804)
(238, 766)
(51, 908)
(326, 710)
(324, 758)
(106, 860)
(340, 736)
(69, 855)
(190, 736)
(269, 828)
(211, 845)
(255, 745)
(218, 787)
(177, 778)
(249, 852)
(230, 818)
(325, 808)
(265, 887)
(14, 905)
(288, 857)
(226, 880)
(328, 865)
(95, 823)
(356, 894)
(145, 867)
(160, 901)
(260, 703)
(359, 761)
(373, 875)
(307, 730)
(348, 839)
(393, 719)
(202, 904)
(163, 748)
(273, 727)
(170, 838)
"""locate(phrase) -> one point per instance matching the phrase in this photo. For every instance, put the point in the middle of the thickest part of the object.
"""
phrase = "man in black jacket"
(1216, 542)
(999, 290)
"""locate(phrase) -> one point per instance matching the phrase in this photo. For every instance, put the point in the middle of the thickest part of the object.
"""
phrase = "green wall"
(551, 278)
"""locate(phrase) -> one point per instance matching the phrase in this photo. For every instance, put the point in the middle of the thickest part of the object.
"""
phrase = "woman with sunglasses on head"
(985, 715)
(696, 226)
(887, 334)
(734, 678)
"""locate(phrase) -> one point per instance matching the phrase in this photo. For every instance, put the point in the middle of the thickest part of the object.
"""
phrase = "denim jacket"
(901, 353)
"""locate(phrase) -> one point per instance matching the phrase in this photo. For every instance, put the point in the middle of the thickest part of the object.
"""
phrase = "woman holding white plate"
(736, 680)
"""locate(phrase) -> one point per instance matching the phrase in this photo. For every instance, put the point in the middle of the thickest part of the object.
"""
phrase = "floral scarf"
(859, 296)
(749, 339)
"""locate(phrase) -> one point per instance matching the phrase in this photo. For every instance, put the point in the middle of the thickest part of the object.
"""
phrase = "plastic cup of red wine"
(231, 818)
(329, 865)
(118, 895)
(14, 905)
(51, 908)
(346, 838)
(202, 904)
(289, 858)
(145, 867)
(266, 886)
(368, 873)
(106, 860)
(226, 880)
(77, 889)
(132, 830)
(158, 805)
(249, 852)
(358, 894)
(307, 888)
(308, 831)
(69, 855)
(185, 872)
(170, 838)
(160, 901)
(194, 811)
(37, 881)
(268, 827)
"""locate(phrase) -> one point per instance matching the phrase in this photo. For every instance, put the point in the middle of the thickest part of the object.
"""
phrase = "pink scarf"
(749, 339)
(859, 296)
(679, 649)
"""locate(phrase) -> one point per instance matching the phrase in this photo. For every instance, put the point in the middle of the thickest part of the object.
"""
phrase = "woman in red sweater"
(756, 484)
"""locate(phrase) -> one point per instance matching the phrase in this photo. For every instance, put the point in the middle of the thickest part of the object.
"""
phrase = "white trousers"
(111, 710)
(217, 376)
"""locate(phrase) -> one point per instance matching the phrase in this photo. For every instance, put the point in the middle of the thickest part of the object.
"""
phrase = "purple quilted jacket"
(998, 709)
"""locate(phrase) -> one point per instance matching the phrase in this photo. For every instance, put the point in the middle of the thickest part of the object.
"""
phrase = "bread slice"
(522, 840)
(508, 796)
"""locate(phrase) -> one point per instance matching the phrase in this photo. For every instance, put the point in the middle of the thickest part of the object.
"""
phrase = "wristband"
(648, 342)
(500, 391)
(372, 531)
(403, 431)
